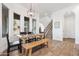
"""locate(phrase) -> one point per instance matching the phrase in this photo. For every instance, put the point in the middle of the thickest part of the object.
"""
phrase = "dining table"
(32, 44)
(30, 36)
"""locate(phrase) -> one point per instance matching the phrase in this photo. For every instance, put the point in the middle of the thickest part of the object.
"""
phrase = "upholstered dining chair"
(12, 45)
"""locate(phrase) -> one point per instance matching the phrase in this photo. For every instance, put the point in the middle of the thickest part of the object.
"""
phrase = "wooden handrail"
(48, 29)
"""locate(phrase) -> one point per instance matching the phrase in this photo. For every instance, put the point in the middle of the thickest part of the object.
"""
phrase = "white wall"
(76, 10)
(13, 8)
(58, 16)
(45, 20)
(57, 32)
(0, 27)
(37, 23)
(0, 20)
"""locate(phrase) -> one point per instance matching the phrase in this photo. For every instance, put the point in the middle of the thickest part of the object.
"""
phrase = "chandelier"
(30, 11)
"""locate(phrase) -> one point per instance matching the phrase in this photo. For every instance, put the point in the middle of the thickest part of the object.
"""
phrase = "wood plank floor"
(66, 47)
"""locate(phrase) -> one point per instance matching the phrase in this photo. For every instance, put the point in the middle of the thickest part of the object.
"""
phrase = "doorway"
(69, 27)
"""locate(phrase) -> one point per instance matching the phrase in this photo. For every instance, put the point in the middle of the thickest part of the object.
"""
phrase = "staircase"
(48, 30)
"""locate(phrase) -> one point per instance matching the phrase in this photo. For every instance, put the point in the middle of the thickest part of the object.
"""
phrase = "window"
(5, 21)
(26, 24)
(16, 25)
(34, 26)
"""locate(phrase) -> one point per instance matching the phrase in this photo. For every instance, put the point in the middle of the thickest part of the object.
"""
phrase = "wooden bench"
(28, 47)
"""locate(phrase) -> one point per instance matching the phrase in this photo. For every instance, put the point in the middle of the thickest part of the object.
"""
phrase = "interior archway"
(69, 26)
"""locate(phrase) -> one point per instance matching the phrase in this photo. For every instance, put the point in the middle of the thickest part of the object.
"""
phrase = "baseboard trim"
(68, 38)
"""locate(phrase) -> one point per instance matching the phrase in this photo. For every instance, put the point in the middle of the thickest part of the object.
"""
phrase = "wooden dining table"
(29, 46)
(30, 36)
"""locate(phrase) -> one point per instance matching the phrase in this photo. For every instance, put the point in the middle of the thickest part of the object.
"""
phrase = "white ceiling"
(47, 8)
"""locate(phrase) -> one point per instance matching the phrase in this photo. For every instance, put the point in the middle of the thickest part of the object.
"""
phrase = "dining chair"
(29, 32)
(23, 33)
(11, 45)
